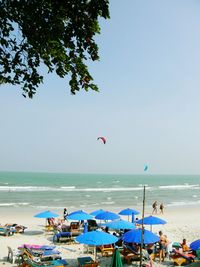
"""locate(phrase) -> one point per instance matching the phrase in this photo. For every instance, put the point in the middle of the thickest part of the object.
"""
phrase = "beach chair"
(63, 237)
(129, 255)
(41, 254)
(92, 225)
(13, 255)
(179, 258)
(106, 250)
(156, 252)
(6, 231)
(27, 262)
(18, 228)
(87, 249)
(87, 262)
(75, 227)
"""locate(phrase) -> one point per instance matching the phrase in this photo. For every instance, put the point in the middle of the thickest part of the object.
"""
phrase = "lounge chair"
(13, 255)
(18, 228)
(129, 255)
(180, 258)
(7, 231)
(87, 262)
(75, 227)
(41, 254)
(64, 237)
(92, 225)
(107, 250)
(27, 262)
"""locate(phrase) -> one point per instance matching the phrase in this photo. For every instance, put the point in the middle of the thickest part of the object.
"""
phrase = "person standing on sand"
(65, 214)
(161, 208)
(162, 246)
(154, 206)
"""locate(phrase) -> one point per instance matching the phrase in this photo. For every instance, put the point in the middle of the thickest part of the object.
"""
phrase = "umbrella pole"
(142, 239)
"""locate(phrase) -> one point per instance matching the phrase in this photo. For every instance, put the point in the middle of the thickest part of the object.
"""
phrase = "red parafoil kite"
(102, 138)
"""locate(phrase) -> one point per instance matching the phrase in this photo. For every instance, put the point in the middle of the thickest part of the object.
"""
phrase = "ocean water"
(92, 191)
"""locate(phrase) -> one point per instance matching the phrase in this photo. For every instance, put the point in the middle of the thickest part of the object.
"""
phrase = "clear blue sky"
(148, 107)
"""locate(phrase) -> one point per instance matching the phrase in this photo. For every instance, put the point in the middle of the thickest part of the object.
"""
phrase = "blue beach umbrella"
(129, 212)
(135, 236)
(107, 215)
(76, 211)
(151, 220)
(195, 244)
(79, 216)
(96, 238)
(94, 213)
(120, 224)
(46, 214)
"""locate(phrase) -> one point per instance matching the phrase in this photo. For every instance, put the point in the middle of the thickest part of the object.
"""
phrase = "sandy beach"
(182, 222)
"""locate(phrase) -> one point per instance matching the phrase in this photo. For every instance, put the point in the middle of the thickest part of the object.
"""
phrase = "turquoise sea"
(91, 191)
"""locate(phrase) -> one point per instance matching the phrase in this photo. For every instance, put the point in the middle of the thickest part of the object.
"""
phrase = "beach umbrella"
(135, 236)
(120, 224)
(107, 215)
(96, 238)
(94, 213)
(46, 214)
(79, 216)
(116, 259)
(195, 244)
(76, 211)
(128, 212)
(151, 220)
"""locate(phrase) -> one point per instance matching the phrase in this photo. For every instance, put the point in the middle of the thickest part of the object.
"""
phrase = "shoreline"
(5, 210)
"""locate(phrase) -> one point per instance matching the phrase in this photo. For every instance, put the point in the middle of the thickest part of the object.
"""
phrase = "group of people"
(165, 246)
(155, 208)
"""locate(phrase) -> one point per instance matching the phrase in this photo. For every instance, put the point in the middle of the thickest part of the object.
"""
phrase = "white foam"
(180, 186)
(183, 203)
(108, 202)
(66, 188)
(14, 204)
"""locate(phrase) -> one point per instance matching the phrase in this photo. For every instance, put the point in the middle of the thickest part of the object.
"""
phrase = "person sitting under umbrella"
(185, 246)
